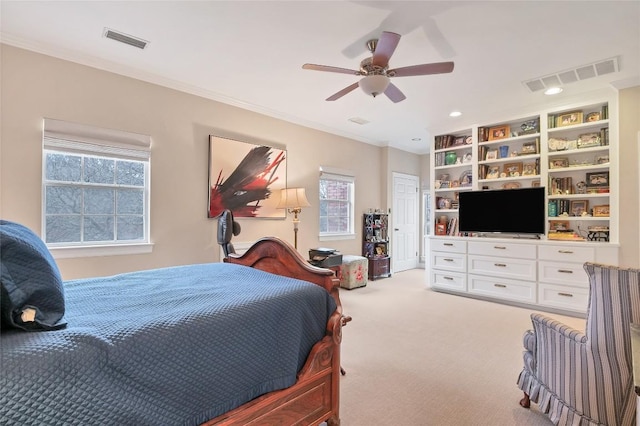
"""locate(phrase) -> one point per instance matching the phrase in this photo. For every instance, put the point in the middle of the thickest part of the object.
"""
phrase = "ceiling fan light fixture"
(374, 85)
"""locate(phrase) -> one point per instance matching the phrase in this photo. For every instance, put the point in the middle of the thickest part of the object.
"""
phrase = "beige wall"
(36, 86)
(629, 108)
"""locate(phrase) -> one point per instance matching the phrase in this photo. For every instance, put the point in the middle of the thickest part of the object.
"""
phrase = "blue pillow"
(32, 293)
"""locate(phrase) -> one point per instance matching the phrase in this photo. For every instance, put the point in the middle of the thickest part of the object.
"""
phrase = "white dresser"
(546, 274)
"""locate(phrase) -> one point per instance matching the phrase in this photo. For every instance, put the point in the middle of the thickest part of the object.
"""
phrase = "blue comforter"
(172, 346)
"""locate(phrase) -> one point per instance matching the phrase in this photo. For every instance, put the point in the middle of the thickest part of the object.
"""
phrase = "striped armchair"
(586, 378)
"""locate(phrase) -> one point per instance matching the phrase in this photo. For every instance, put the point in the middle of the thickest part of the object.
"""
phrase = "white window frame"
(73, 138)
(331, 173)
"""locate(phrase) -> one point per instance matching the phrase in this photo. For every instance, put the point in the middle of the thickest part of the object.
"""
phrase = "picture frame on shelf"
(588, 140)
(558, 163)
(535, 184)
(499, 132)
(493, 172)
(601, 211)
(529, 169)
(492, 154)
(598, 179)
(592, 116)
(513, 169)
(578, 207)
(558, 225)
(569, 119)
(458, 141)
(529, 148)
(602, 159)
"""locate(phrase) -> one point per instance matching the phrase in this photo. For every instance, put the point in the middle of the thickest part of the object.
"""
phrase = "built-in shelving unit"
(572, 151)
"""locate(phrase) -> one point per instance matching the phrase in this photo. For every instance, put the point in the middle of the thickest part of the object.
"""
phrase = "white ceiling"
(250, 54)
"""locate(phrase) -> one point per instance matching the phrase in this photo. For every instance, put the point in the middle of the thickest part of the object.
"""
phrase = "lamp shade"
(292, 198)
(374, 84)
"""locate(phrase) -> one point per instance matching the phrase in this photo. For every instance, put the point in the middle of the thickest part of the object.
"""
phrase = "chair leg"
(525, 402)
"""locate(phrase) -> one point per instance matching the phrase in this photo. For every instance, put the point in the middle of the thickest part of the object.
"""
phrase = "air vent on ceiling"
(583, 72)
(126, 39)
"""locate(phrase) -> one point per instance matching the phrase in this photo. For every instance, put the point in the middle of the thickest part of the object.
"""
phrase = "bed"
(253, 340)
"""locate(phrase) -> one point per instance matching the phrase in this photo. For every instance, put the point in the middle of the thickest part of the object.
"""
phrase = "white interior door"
(404, 217)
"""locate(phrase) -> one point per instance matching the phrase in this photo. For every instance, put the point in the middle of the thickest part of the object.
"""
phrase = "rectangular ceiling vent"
(126, 39)
(583, 72)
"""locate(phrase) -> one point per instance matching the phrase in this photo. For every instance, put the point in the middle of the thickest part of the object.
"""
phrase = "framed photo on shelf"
(602, 159)
(529, 169)
(493, 172)
(492, 154)
(529, 148)
(601, 211)
(499, 132)
(569, 119)
(558, 163)
(578, 207)
(598, 179)
(558, 225)
(592, 116)
(513, 169)
(589, 140)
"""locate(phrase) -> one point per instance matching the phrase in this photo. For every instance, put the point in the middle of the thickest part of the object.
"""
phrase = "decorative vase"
(450, 158)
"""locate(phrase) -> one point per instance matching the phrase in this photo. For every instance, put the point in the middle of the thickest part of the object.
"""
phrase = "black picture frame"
(598, 179)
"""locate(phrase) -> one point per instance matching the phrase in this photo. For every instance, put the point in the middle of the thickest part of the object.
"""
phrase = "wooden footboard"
(315, 397)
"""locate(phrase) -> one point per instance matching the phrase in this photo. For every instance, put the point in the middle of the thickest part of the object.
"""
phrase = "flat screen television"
(509, 211)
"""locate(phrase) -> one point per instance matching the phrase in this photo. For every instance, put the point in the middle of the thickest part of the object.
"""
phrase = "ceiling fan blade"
(343, 92)
(394, 93)
(329, 69)
(423, 69)
(387, 44)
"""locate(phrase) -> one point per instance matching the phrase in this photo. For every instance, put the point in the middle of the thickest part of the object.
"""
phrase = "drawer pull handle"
(448, 278)
(448, 260)
(502, 265)
(565, 251)
(500, 285)
(499, 247)
(565, 294)
(448, 244)
(565, 271)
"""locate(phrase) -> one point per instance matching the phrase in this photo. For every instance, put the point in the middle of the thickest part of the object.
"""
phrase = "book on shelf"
(561, 186)
(452, 226)
(483, 134)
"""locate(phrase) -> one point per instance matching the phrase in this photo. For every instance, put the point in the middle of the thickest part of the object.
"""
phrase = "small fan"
(376, 73)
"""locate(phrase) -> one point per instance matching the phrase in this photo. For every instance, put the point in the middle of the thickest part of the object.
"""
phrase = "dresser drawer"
(559, 253)
(498, 267)
(521, 291)
(563, 273)
(563, 297)
(500, 249)
(449, 280)
(448, 245)
(449, 261)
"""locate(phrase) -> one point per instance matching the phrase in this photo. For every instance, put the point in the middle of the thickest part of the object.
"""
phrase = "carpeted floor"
(414, 356)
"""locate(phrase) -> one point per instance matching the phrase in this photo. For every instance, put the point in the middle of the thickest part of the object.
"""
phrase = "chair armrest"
(545, 326)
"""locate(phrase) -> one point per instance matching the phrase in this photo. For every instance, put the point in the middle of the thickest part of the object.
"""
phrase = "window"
(336, 204)
(95, 186)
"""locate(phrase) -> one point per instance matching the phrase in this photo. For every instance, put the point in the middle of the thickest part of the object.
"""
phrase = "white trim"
(336, 237)
(103, 250)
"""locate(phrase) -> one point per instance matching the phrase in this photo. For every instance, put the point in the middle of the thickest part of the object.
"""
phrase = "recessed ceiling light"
(553, 91)
(358, 120)
(455, 114)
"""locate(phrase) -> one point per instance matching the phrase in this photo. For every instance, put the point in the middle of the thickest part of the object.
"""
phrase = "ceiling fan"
(376, 73)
